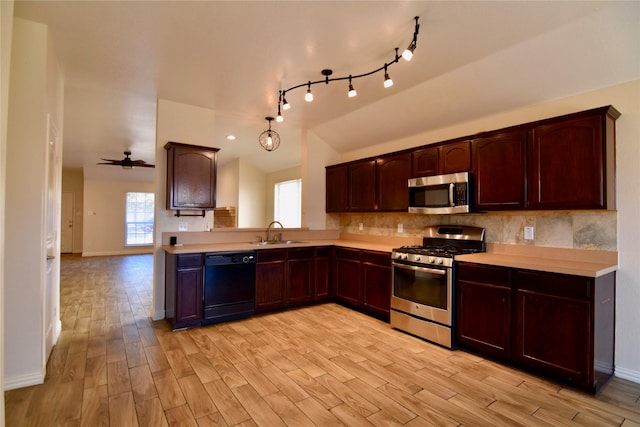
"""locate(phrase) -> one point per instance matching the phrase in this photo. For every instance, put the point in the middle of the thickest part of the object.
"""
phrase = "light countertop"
(586, 263)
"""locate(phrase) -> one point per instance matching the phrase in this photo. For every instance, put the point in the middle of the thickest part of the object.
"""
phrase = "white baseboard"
(21, 381)
(627, 374)
(141, 251)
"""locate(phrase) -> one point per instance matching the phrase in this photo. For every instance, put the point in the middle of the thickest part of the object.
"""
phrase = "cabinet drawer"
(479, 273)
(300, 253)
(575, 287)
(271, 255)
(323, 251)
(345, 253)
(380, 258)
(193, 260)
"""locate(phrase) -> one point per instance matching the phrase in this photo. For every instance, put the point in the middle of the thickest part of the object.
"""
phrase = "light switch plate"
(183, 226)
(528, 233)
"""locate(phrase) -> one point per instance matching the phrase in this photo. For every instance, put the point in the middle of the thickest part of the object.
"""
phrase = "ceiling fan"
(127, 162)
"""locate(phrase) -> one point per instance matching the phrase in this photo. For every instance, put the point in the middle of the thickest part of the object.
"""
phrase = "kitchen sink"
(276, 242)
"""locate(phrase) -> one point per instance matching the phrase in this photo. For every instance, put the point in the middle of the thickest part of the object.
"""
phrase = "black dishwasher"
(229, 286)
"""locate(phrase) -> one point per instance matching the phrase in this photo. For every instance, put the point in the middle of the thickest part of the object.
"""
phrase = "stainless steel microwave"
(440, 194)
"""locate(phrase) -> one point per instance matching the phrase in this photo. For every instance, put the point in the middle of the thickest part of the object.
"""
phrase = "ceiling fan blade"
(111, 160)
(142, 164)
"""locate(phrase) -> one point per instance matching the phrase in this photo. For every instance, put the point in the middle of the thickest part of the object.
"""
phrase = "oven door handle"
(422, 269)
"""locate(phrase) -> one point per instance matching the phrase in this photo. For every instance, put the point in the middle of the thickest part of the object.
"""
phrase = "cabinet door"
(336, 189)
(270, 280)
(499, 171)
(362, 186)
(188, 305)
(393, 176)
(300, 276)
(322, 273)
(553, 329)
(376, 282)
(347, 276)
(425, 162)
(191, 177)
(567, 165)
(484, 308)
(455, 157)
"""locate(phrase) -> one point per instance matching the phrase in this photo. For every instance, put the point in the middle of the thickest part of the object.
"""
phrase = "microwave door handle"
(451, 190)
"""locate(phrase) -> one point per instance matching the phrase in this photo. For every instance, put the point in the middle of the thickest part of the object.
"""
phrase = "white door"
(66, 224)
(50, 315)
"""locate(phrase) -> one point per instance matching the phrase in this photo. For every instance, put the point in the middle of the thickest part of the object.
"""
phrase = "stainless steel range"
(422, 298)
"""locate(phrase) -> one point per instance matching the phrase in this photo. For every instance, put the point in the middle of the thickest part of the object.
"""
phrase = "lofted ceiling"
(474, 58)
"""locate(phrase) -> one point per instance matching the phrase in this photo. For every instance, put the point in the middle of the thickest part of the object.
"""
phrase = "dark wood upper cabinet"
(191, 177)
(336, 188)
(442, 159)
(565, 162)
(362, 186)
(499, 170)
(393, 175)
(425, 162)
(572, 162)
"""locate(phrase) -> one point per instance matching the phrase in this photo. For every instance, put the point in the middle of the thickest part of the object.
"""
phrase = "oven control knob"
(417, 258)
(432, 259)
(440, 261)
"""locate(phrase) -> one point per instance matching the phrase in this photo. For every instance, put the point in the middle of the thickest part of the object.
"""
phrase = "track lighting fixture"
(269, 139)
(309, 96)
(352, 92)
(407, 54)
(387, 80)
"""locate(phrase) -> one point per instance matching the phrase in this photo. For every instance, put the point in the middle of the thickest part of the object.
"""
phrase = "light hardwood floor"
(324, 365)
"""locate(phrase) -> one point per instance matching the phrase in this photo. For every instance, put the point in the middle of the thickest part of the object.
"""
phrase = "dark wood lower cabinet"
(362, 279)
(322, 272)
(558, 325)
(299, 280)
(484, 308)
(183, 289)
(347, 276)
(270, 279)
(376, 282)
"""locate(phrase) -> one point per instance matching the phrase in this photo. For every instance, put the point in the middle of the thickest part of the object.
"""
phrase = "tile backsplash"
(562, 229)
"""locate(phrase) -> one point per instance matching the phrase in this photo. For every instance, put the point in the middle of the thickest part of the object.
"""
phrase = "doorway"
(66, 223)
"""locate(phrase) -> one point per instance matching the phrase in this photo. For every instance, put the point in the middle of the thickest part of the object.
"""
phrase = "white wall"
(316, 154)
(35, 92)
(178, 123)
(626, 99)
(104, 217)
(6, 27)
(227, 184)
(251, 196)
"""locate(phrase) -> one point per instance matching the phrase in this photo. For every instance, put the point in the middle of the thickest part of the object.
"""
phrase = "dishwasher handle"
(229, 258)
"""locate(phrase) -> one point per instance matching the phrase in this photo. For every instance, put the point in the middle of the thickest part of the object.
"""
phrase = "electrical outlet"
(360, 227)
(183, 226)
(528, 233)
(207, 226)
(400, 228)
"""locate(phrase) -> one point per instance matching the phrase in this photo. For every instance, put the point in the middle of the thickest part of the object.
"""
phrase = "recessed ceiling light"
(231, 137)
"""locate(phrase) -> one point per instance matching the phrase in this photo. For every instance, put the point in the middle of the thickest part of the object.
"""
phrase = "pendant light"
(269, 139)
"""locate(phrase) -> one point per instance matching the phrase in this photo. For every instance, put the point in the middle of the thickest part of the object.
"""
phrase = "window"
(287, 202)
(139, 221)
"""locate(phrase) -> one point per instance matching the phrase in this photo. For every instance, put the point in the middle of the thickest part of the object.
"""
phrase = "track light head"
(352, 92)
(387, 80)
(308, 96)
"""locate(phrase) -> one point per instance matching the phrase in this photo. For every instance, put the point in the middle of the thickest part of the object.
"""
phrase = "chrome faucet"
(272, 223)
